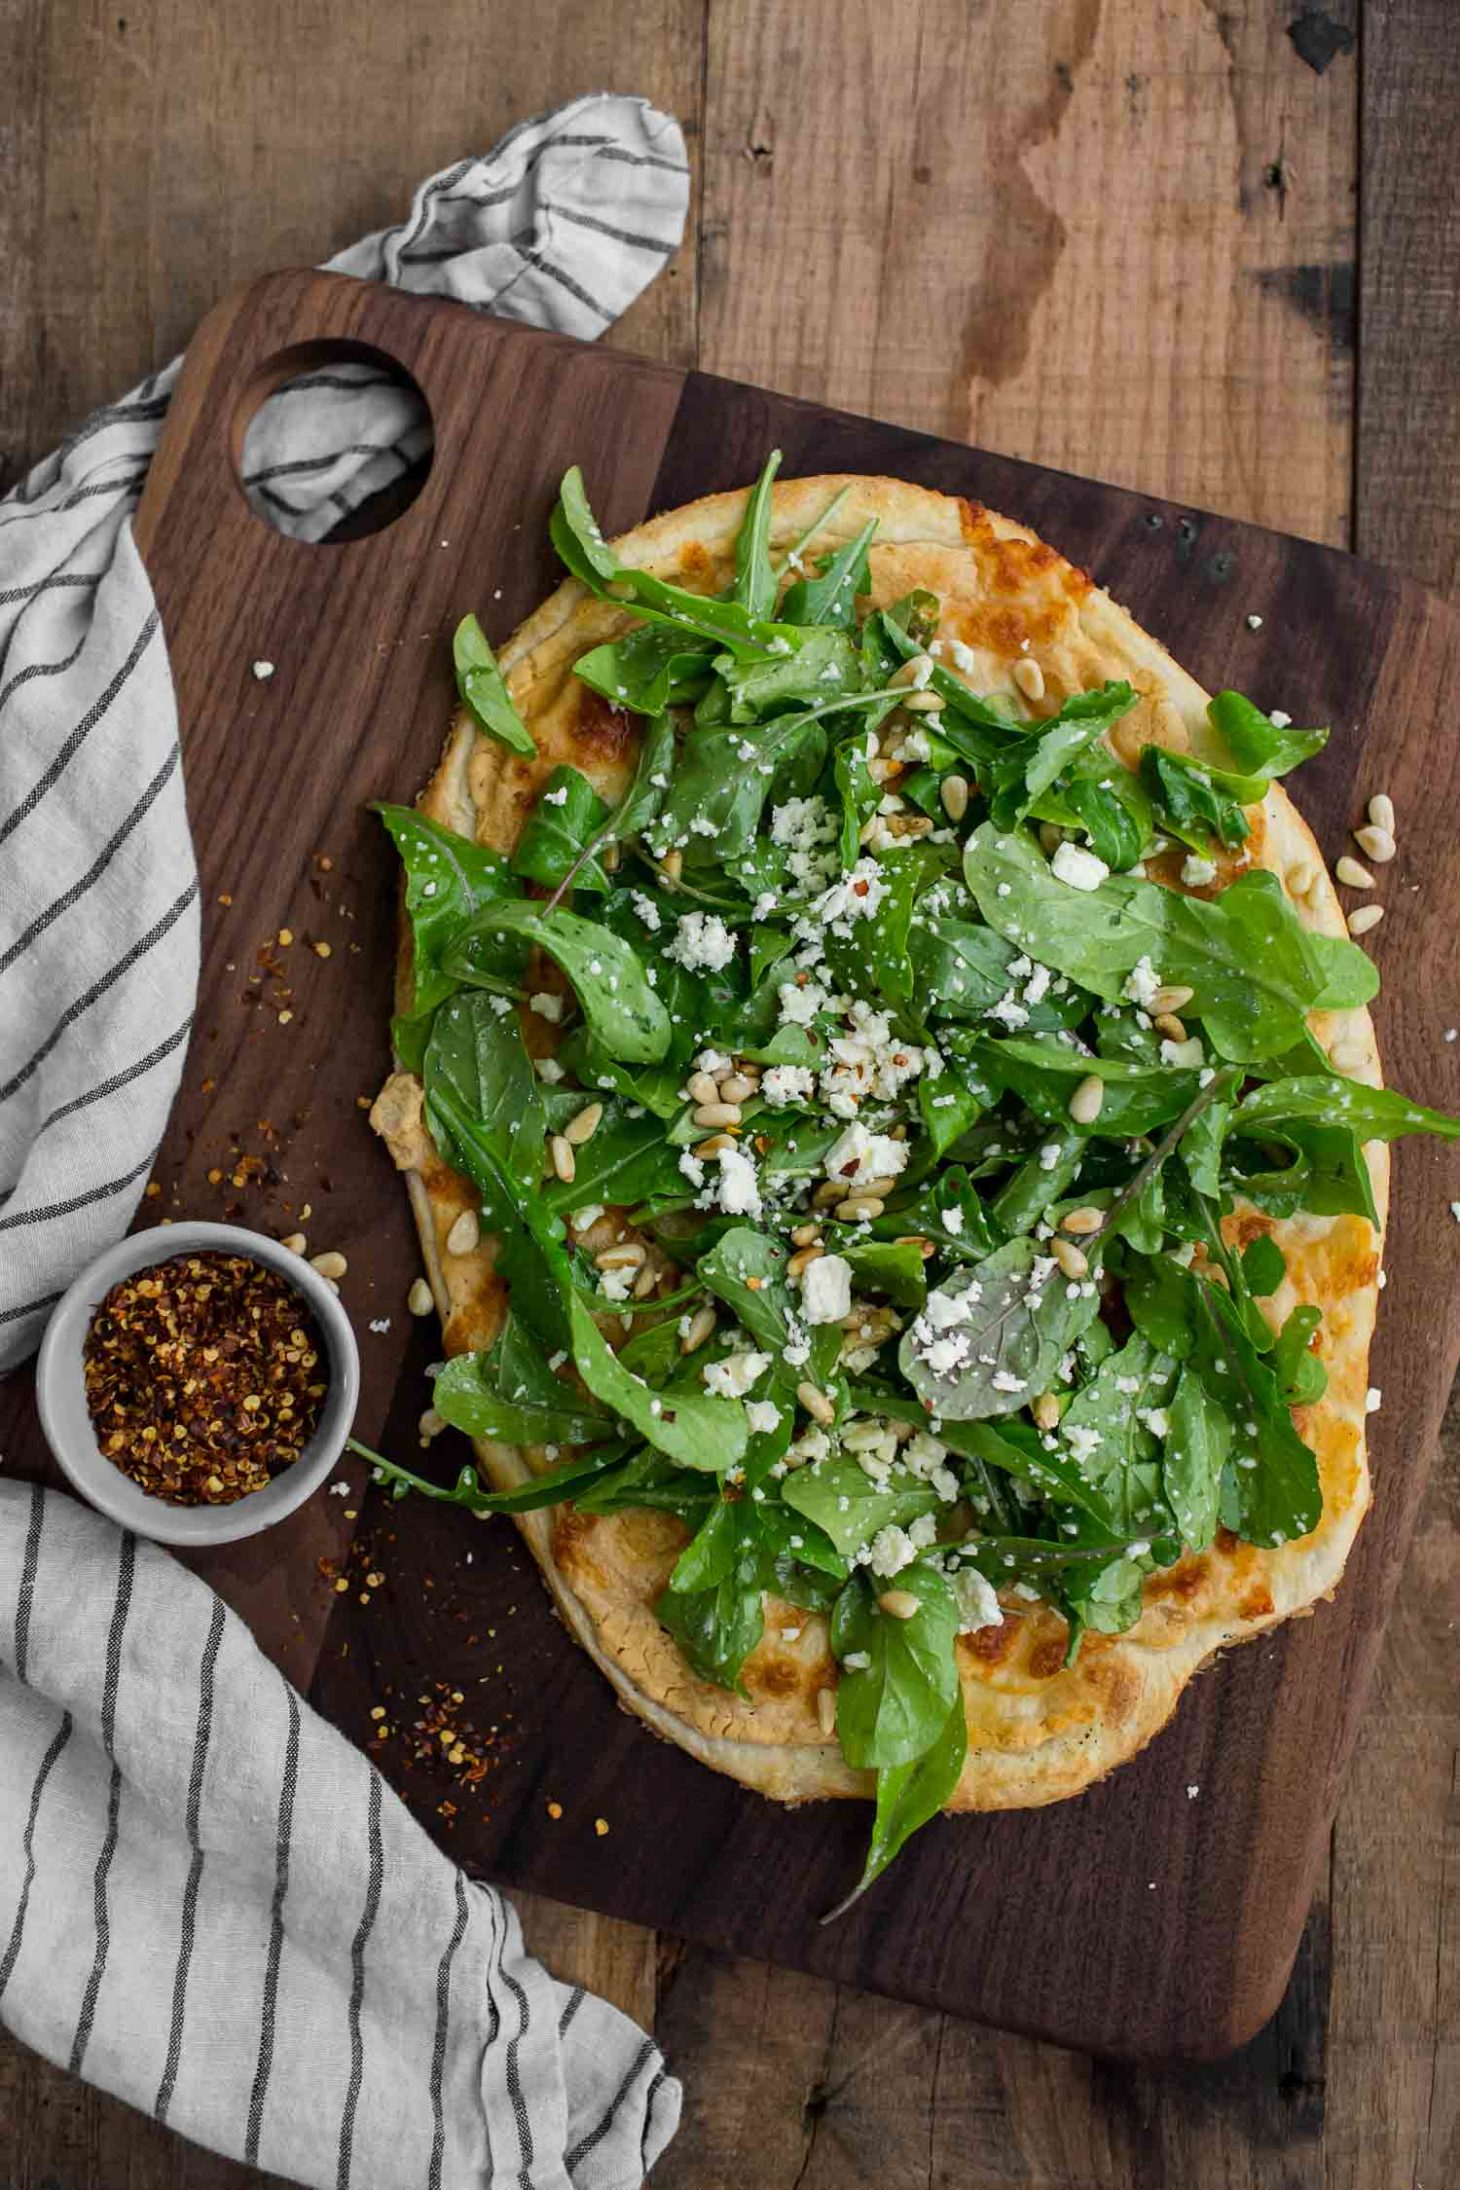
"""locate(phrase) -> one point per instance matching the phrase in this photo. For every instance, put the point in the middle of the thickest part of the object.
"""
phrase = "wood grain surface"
(1169, 299)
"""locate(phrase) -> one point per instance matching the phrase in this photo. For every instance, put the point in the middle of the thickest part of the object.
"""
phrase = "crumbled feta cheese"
(855, 895)
(784, 1084)
(1279, 718)
(1142, 984)
(1185, 1056)
(892, 1549)
(647, 911)
(856, 1661)
(953, 1222)
(548, 1069)
(977, 1601)
(762, 1416)
(616, 1284)
(546, 1005)
(858, 1155)
(1082, 1439)
(1082, 870)
(1197, 872)
(733, 1377)
(826, 1289)
(800, 1002)
(1156, 1420)
(556, 798)
(701, 942)
(1373, 1400)
(583, 1220)
(737, 1190)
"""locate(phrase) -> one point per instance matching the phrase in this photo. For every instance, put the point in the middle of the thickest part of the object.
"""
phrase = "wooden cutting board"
(1157, 1917)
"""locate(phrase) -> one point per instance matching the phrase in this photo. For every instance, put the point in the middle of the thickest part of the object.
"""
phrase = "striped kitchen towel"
(562, 226)
(212, 1905)
(209, 1903)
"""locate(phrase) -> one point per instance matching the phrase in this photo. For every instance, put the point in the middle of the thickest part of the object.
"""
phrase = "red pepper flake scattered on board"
(204, 1377)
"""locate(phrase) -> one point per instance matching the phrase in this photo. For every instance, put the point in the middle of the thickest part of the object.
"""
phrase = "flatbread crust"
(1038, 1731)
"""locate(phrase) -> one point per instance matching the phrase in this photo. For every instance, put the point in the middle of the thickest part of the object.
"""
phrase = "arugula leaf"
(822, 666)
(859, 794)
(620, 1008)
(893, 1267)
(695, 1427)
(1197, 803)
(569, 1480)
(1017, 1450)
(831, 597)
(483, 689)
(1300, 1374)
(1327, 1174)
(1255, 741)
(1024, 771)
(755, 577)
(1115, 1452)
(482, 1093)
(876, 953)
(1194, 1455)
(714, 1606)
(649, 670)
(747, 1270)
(1045, 1072)
(909, 1796)
(510, 1393)
(625, 1162)
(841, 1498)
(1101, 796)
(555, 841)
(1350, 977)
(1017, 1322)
(1373, 1113)
(1264, 1266)
(448, 878)
(891, 1711)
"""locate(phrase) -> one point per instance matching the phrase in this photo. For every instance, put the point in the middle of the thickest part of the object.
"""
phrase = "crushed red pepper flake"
(204, 1377)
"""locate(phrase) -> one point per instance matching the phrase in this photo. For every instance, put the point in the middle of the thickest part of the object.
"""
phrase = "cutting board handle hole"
(331, 440)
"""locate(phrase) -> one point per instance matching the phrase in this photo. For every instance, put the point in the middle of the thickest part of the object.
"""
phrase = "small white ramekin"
(61, 1390)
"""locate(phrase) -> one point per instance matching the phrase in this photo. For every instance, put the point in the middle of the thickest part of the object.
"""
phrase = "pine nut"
(1030, 678)
(925, 1247)
(465, 1233)
(625, 1254)
(1171, 998)
(803, 1260)
(646, 1282)
(584, 1126)
(883, 771)
(702, 1088)
(829, 1191)
(1381, 811)
(858, 1208)
(826, 1710)
(1378, 843)
(701, 1327)
(816, 1403)
(1046, 1411)
(1348, 1056)
(714, 1146)
(430, 1425)
(908, 826)
(671, 866)
(880, 1188)
(954, 795)
(295, 1242)
(1349, 871)
(1301, 877)
(914, 672)
(609, 858)
(1086, 1102)
(900, 1604)
(420, 1299)
(1081, 1221)
(1364, 917)
(806, 1235)
(924, 703)
(1173, 1028)
(564, 1164)
(1071, 1259)
(717, 1114)
(330, 1265)
(735, 1088)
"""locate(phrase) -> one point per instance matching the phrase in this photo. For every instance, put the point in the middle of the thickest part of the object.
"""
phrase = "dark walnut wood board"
(1137, 1920)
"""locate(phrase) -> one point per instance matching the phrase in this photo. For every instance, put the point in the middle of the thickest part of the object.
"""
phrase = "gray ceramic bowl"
(61, 1391)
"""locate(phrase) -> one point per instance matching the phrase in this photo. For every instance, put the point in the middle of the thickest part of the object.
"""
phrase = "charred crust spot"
(1047, 1658)
(991, 1645)
(1182, 1581)
(603, 730)
(779, 1678)
(1257, 1603)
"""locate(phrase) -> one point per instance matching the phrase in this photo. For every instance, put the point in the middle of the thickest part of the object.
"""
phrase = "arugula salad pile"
(921, 1105)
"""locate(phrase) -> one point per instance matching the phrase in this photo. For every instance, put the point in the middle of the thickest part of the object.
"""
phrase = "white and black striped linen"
(211, 1905)
(562, 225)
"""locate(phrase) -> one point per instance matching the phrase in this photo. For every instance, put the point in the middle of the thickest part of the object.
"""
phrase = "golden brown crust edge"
(1037, 1733)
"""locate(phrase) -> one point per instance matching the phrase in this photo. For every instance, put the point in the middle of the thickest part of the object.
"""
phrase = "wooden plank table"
(1138, 242)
